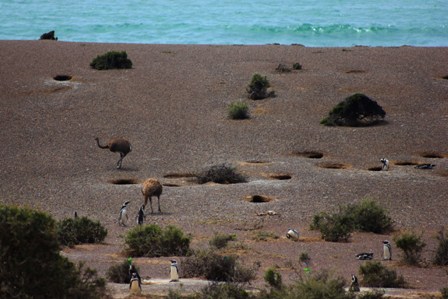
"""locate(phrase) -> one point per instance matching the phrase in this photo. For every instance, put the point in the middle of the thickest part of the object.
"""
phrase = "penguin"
(123, 214)
(134, 273)
(292, 234)
(75, 215)
(354, 286)
(141, 215)
(365, 256)
(385, 163)
(425, 166)
(134, 285)
(387, 250)
(174, 271)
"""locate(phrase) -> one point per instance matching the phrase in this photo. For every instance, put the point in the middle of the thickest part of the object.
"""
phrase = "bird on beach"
(292, 234)
(387, 250)
(123, 216)
(385, 163)
(115, 145)
(174, 271)
(354, 286)
(365, 255)
(141, 215)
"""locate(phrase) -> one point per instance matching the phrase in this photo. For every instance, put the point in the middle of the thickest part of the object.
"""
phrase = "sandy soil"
(172, 106)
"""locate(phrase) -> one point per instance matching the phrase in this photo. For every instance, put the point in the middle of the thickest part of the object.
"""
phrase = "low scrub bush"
(334, 228)
(273, 278)
(119, 273)
(297, 66)
(220, 240)
(152, 241)
(264, 236)
(368, 216)
(73, 231)
(258, 87)
(238, 110)
(221, 174)
(222, 291)
(112, 60)
(376, 294)
(31, 265)
(441, 257)
(376, 275)
(321, 286)
(215, 267)
(412, 246)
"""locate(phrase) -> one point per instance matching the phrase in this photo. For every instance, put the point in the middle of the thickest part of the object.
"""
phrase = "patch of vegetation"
(238, 110)
(215, 267)
(444, 293)
(441, 257)
(304, 258)
(31, 264)
(73, 231)
(376, 294)
(365, 216)
(112, 60)
(376, 275)
(220, 240)
(152, 241)
(220, 174)
(281, 68)
(258, 87)
(264, 236)
(355, 110)
(412, 246)
(223, 291)
(273, 278)
(119, 273)
(297, 66)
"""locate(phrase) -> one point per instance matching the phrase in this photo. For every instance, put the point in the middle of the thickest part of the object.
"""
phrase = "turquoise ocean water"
(322, 23)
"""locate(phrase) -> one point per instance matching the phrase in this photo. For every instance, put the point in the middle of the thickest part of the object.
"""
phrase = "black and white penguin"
(123, 216)
(174, 271)
(134, 273)
(292, 234)
(365, 255)
(141, 215)
(385, 163)
(425, 166)
(134, 285)
(387, 250)
(354, 286)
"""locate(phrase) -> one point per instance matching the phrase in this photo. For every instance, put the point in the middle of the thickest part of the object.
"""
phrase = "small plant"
(376, 294)
(220, 240)
(320, 285)
(376, 275)
(223, 291)
(441, 257)
(412, 246)
(297, 66)
(368, 216)
(152, 241)
(206, 263)
(304, 258)
(119, 273)
(258, 87)
(444, 293)
(238, 110)
(73, 231)
(334, 228)
(273, 278)
(221, 174)
(264, 236)
(355, 110)
(112, 60)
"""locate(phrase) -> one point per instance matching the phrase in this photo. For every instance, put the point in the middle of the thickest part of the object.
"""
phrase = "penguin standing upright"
(141, 215)
(134, 285)
(174, 271)
(385, 163)
(387, 250)
(123, 216)
(354, 286)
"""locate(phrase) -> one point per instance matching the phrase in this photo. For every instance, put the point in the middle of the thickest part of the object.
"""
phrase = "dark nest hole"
(62, 78)
(309, 154)
(355, 72)
(280, 176)
(405, 163)
(334, 165)
(179, 175)
(170, 185)
(431, 155)
(258, 198)
(445, 77)
(375, 168)
(257, 162)
(124, 181)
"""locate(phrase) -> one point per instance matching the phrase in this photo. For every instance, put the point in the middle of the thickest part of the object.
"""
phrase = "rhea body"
(117, 145)
(151, 187)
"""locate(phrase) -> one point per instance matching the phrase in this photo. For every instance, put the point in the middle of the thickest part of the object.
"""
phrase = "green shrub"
(376, 275)
(221, 174)
(215, 267)
(320, 286)
(152, 241)
(220, 240)
(222, 291)
(257, 88)
(119, 273)
(444, 292)
(264, 236)
(376, 294)
(72, 231)
(31, 266)
(412, 246)
(334, 228)
(441, 257)
(368, 216)
(304, 258)
(273, 278)
(238, 110)
(355, 110)
(297, 66)
(112, 60)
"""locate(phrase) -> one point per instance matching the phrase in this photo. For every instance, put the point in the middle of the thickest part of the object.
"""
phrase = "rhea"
(151, 187)
(115, 145)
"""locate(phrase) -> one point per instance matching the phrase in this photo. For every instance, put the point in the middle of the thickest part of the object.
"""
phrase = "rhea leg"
(158, 202)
